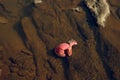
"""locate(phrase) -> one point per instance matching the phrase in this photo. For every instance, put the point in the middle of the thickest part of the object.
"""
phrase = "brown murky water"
(29, 34)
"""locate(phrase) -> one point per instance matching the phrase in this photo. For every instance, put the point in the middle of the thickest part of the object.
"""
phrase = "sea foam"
(37, 1)
(100, 10)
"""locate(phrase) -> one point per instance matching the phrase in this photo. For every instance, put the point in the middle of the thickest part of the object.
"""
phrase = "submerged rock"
(100, 9)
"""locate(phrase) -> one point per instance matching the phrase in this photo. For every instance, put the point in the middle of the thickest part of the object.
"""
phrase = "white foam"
(77, 9)
(37, 1)
(100, 9)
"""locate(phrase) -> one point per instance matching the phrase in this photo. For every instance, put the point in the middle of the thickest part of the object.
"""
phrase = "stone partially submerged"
(100, 10)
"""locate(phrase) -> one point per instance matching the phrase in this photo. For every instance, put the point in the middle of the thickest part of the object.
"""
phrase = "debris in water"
(65, 49)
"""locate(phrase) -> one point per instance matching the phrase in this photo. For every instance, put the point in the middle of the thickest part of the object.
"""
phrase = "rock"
(3, 20)
(100, 10)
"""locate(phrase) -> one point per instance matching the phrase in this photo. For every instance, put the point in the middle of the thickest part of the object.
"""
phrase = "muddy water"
(29, 33)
